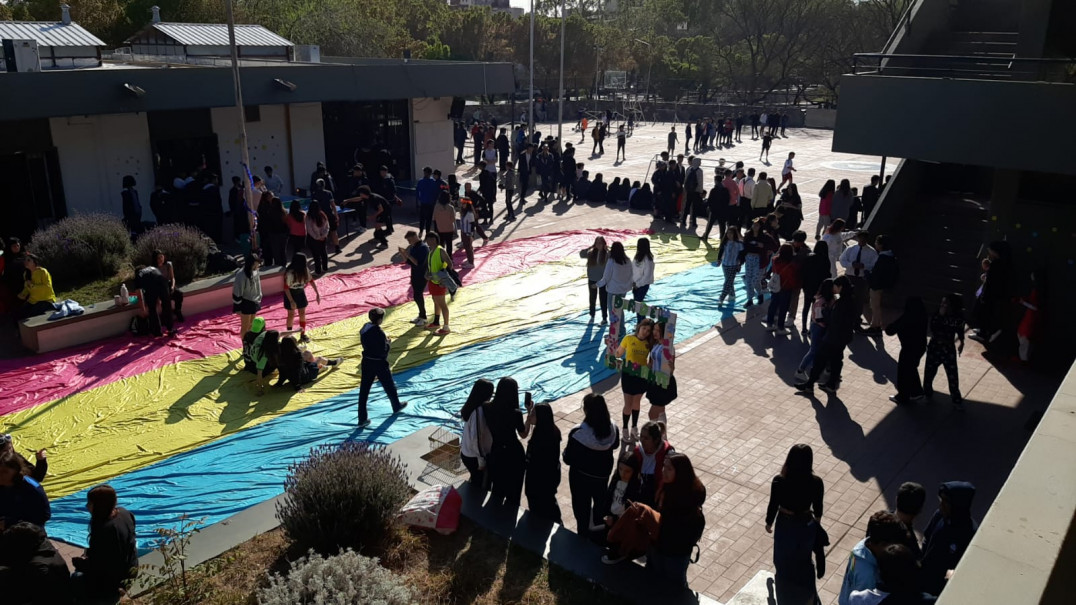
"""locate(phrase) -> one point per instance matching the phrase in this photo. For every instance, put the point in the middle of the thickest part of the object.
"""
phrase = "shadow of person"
(521, 567)
(862, 352)
(843, 435)
(240, 383)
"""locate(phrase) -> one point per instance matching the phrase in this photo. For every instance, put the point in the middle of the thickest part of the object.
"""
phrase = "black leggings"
(602, 295)
(418, 289)
(588, 498)
(944, 356)
(317, 251)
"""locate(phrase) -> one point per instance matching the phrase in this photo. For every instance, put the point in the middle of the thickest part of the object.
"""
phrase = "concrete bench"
(106, 319)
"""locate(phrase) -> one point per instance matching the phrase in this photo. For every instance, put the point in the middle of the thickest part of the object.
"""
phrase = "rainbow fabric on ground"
(191, 437)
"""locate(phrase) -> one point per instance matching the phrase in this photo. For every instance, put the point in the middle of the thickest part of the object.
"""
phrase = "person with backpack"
(477, 442)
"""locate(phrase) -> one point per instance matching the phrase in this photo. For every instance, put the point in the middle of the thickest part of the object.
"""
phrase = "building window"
(253, 113)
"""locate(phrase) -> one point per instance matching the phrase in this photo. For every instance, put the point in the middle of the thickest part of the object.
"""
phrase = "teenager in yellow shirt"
(37, 291)
(635, 349)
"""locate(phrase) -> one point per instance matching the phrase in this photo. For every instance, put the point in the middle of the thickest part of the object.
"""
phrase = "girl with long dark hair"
(507, 460)
(617, 280)
(590, 452)
(317, 234)
(796, 507)
(825, 207)
(946, 330)
(911, 329)
(543, 463)
(597, 255)
(296, 222)
(299, 366)
(247, 292)
(843, 198)
(758, 247)
(112, 557)
(730, 255)
(642, 271)
(815, 271)
(296, 278)
(477, 441)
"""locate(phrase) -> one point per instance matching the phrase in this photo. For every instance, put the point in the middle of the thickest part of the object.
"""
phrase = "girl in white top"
(617, 281)
(835, 242)
(642, 271)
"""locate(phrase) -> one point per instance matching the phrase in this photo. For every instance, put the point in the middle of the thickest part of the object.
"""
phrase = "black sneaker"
(828, 387)
(364, 423)
(804, 386)
(749, 303)
(403, 404)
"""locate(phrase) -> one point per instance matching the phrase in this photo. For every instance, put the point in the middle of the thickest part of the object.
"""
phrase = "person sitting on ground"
(36, 471)
(948, 534)
(883, 529)
(37, 289)
(112, 558)
(257, 326)
(581, 188)
(900, 580)
(31, 570)
(21, 498)
(265, 351)
(910, 499)
(598, 190)
(649, 456)
(624, 488)
(612, 196)
(299, 366)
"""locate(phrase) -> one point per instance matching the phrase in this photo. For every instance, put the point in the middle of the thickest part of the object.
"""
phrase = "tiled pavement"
(737, 413)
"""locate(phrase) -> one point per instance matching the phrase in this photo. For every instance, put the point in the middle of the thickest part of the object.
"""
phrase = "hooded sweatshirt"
(946, 538)
(589, 454)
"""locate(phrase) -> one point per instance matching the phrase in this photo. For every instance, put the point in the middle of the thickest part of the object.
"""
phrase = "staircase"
(996, 50)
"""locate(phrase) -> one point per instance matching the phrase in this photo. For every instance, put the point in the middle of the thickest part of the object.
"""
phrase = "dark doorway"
(373, 134)
(183, 143)
(31, 188)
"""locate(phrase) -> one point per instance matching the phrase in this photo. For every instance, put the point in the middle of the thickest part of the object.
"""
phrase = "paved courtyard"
(737, 413)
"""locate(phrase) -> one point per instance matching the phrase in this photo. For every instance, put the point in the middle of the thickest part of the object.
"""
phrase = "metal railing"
(975, 67)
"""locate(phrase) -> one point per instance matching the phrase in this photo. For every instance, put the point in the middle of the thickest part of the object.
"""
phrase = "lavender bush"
(344, 579)
(185, 246)
(343, 496)
(83, 248)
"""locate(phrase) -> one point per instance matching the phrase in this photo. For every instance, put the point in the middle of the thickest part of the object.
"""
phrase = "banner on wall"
(662, 354)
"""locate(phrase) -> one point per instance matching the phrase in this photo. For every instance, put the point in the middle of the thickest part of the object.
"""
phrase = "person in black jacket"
(948, 534)
(598, 191)
(300, 367)
(36, 471)
(911, 329)
(21, 498)
(543, 461)
(815, 270)
(132, 208)
(839, 330)
(507, 462)
(881, 279)
(375, 364)
(503, 148)
(589, 452)
(32, 572)
(112, 557)
(682, 521)
(156, 293)
(717, 203)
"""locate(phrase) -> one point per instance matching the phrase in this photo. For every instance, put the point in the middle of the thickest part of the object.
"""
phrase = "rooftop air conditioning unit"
(307, 53)
(22, 55)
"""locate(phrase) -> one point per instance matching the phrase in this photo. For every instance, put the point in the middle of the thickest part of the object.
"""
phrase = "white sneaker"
(418, 321)
(625, 435)
(635, 434)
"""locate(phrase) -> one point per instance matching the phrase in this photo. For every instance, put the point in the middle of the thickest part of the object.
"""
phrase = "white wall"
(307, 142)
(95, 154)
(267, 142)
(432, 135)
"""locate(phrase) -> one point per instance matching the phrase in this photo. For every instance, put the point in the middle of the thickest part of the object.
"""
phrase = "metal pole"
(530, 122)
(560, 104)
(248, 191)
(881, 172)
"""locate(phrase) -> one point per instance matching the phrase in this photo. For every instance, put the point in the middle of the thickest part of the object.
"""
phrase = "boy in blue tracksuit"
(375, 364)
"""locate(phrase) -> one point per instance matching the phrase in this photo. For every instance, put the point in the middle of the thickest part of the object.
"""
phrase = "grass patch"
(100, 290)
(469, 566)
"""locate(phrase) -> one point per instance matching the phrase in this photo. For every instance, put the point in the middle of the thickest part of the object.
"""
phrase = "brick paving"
(737, 413)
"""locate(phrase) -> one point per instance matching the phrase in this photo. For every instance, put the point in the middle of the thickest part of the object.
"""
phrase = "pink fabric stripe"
(60, 374)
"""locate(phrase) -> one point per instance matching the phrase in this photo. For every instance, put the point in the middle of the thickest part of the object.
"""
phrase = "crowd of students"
(31, 570)
(641, 499)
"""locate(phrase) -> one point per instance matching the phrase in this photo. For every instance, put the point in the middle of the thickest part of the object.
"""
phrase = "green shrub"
(80, 249)
(344, 579)
(185, 246)
(343, 496)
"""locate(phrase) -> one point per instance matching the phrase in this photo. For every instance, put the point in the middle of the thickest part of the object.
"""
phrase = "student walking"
(731, 257)
(758, 247)
(508, 183)
(375, 364)
(796, 508)
(317, 234)
(786, 272)
(438, 263)
(839, 330)
(911, 329)
(821, 305)
(507, 460)
(825, 207)
(543, 461)
(786, 172)
(621, 140)
(589, 453)
(946, 343)
(296, 278)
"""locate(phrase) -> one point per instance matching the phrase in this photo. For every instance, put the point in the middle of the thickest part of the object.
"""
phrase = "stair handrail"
(904, 25)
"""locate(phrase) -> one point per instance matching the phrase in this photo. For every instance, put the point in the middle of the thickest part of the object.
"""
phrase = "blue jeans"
(670, 568)
(779, 302)
(752, 276)
(817, 330)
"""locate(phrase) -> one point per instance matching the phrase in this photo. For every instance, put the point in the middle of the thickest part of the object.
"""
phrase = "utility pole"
(560, 104)
(248, 190)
